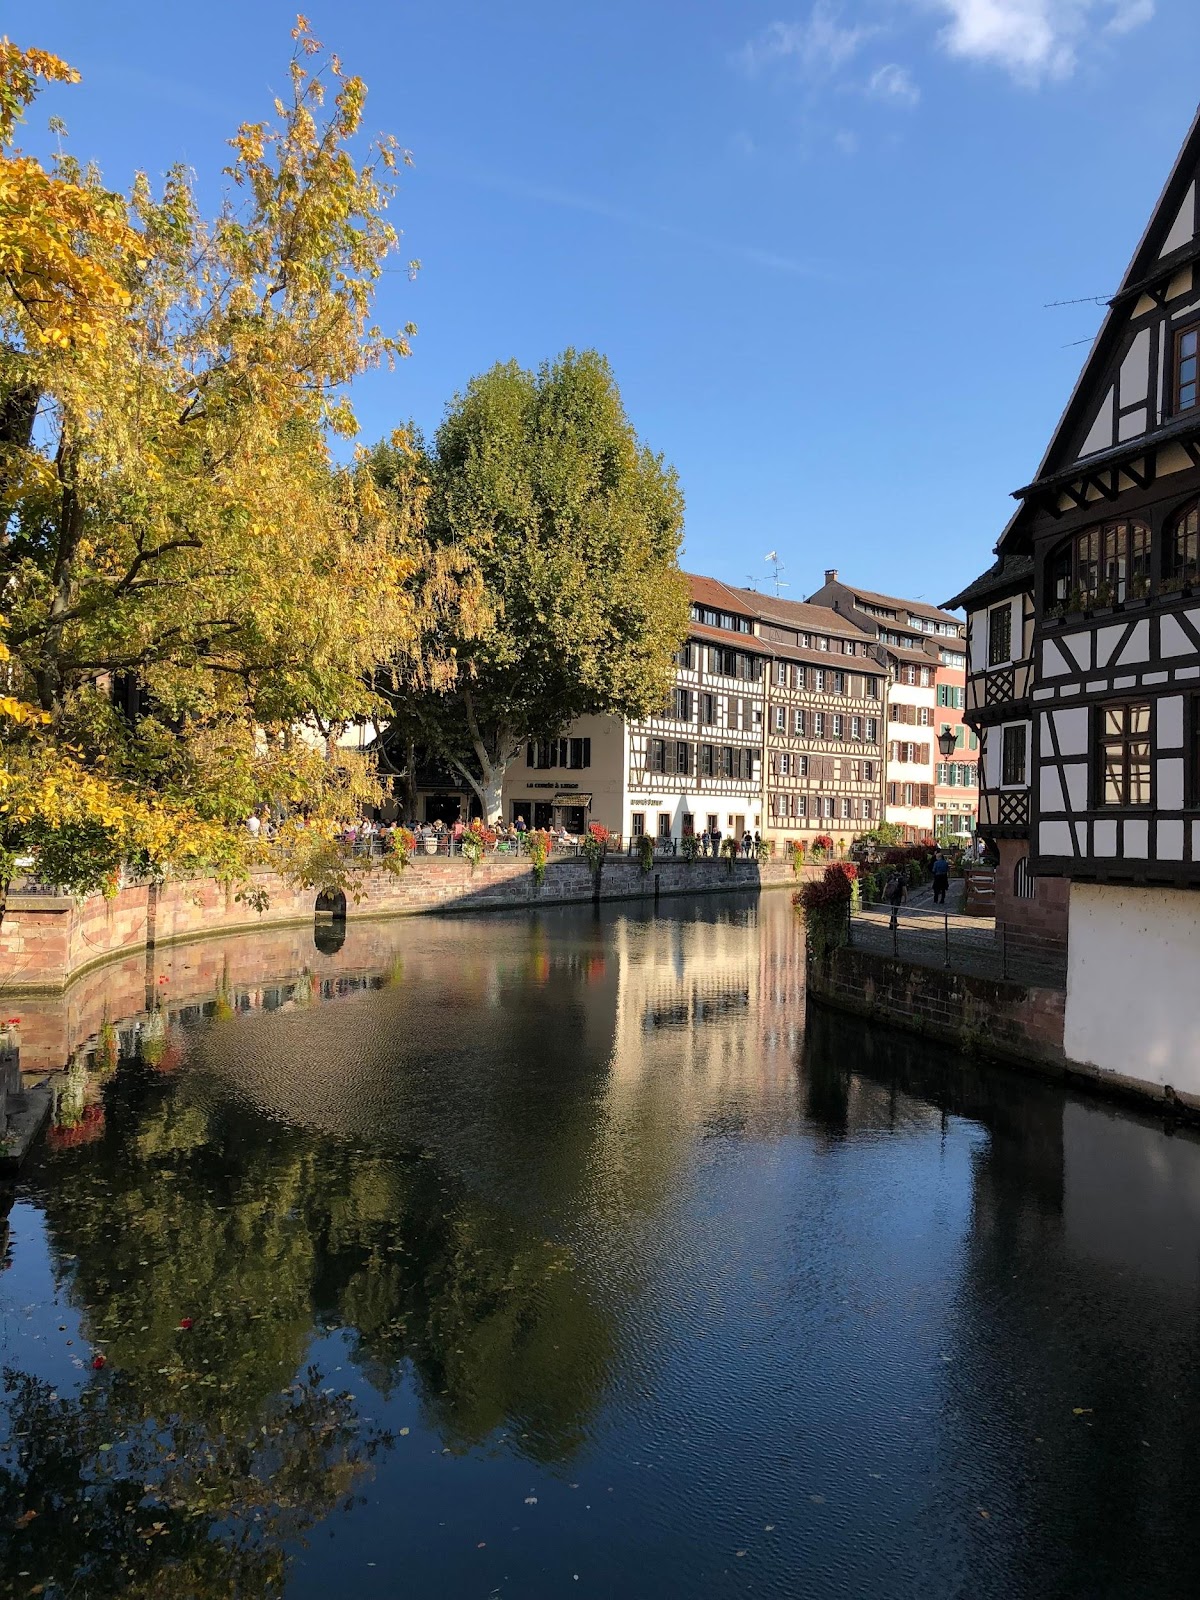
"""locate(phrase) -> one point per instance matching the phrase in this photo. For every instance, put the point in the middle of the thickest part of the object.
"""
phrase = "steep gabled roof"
(1149, 264)
(1008, 572)
(798, 614)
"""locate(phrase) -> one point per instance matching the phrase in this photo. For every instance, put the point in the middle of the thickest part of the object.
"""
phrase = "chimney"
(830, 574)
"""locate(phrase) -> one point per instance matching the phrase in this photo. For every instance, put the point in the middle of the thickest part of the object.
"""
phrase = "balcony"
(1004, 810)
(992, 693)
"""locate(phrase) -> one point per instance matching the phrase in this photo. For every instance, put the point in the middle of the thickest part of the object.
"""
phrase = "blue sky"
(815, 240)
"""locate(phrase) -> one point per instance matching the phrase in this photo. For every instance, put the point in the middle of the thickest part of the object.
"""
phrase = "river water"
(564, 1255)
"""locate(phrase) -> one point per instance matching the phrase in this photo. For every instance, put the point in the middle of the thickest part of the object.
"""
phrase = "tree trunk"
(492, 796)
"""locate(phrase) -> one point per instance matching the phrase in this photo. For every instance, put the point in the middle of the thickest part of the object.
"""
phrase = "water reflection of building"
(1068, 1367)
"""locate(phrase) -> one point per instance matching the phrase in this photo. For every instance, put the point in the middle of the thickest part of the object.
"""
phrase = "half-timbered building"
(923, 648)
(1092, 725)
(826, 694)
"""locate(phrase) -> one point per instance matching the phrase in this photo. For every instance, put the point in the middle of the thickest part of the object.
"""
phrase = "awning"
(572, 799)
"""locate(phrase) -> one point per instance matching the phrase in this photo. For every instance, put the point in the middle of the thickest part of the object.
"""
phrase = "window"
(726, 761)
(819, 675)
(819, 724)
(637, 824)
(780, 719)
(847, 808)
(839, 683)
(1024, 883)
(681, 705)
(1125, 754)
(872, 730)
(706, 761)
(856, 727)
(801, 721)
(868, 772)
(683, 657)
(871, 688)
(1101, 566)
(1187, 353)
(1182, 549)
(838, 725)
(580, 753)
(850, 647)
(664, 824)
(712, 822)
(924, 716)
(951, 696)
(781, 674)
(1012, 756)
(800, 805)
(942, 770)
(785, 766)
(1000, 635)
(708, 709)
(822, 644)
(926, 677)
(868, 810)
(658, 755)
(683, 759)
(802, 766)
(801, 677)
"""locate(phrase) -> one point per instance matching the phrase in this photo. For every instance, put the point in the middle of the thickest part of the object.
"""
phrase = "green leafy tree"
(196, 593)
(573, 527)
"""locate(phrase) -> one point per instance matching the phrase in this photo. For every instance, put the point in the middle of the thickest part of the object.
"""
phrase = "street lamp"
(947, 742)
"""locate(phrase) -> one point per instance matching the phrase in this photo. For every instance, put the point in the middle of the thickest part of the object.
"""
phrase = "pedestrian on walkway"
(894, 893)
(941, 878)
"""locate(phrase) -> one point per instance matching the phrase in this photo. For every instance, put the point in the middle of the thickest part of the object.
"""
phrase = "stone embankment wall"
(1010, 1020)
(45, 940)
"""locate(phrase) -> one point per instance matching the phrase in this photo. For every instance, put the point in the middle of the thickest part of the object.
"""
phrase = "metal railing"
(975, 948)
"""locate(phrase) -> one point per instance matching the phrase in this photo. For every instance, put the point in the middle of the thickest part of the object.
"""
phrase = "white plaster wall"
(1133, 955)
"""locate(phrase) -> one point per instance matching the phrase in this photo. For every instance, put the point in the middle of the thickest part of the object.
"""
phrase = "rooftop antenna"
(778, 569)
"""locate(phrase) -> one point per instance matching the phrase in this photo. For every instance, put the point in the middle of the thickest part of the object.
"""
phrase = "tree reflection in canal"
(640, 1273)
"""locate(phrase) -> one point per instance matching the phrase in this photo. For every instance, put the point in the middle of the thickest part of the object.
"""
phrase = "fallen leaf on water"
(24, 1519)
(404, 1433)
(1082, 1411)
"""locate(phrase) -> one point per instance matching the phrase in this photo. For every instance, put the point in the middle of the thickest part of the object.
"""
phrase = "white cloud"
(817, 47)
(893, 85)
(1034, 40)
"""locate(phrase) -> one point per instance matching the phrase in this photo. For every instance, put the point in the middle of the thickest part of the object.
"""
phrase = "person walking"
(941, 878)
(894, 893)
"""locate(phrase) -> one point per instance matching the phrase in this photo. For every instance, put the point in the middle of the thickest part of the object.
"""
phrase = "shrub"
(690, 847)
(538, 846)
(645, 850)
(595, 847)
(826, 904)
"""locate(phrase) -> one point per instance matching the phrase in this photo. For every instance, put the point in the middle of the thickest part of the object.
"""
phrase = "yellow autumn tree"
(197, 594)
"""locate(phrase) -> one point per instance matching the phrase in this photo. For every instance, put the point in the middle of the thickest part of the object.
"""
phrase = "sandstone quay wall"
(46, 940)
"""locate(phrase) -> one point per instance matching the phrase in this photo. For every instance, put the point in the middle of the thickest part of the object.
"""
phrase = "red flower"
(13, 1022)
(99, 1362)
(164, 980)
(185, 1322)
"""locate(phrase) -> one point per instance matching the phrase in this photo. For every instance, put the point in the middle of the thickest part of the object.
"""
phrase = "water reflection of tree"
(263, 1234)
(111, 1492)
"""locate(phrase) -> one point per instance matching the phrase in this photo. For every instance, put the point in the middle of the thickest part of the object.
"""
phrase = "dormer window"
(1187, 369)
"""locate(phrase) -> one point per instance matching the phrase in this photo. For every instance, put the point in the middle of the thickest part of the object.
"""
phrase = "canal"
(563, 1255)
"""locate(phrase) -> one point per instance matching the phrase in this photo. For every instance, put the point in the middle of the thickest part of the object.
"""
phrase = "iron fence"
(971, 946)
